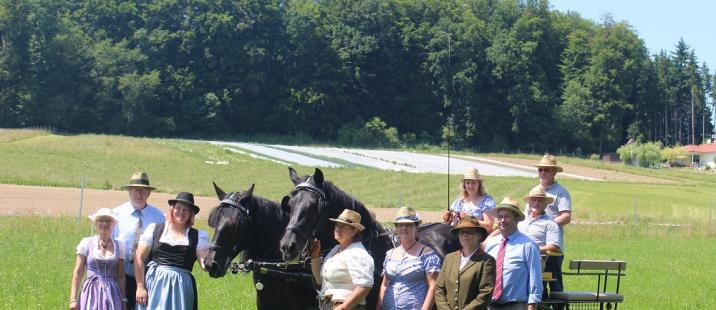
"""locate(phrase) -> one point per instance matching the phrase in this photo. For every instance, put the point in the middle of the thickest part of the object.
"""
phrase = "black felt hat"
(187, 198)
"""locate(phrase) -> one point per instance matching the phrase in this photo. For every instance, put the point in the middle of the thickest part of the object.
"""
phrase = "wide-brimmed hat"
(469, 221)
(187, 198)
(103, 212)
(350, 218)
(538, 192)
(139, 179)
(407, 215)
(471, 174)
(548, 161)
(512, 205)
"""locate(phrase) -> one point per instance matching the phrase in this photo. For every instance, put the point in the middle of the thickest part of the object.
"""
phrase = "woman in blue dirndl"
(171, 248)
(410, 270)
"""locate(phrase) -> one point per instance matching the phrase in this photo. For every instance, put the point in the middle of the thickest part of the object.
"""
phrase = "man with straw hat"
(133, 217)
(543, 230)
(538, 225)
(518, 275)
(560, 209)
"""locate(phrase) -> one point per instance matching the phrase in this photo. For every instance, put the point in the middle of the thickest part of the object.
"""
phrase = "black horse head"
(231, 221)
(306, 204)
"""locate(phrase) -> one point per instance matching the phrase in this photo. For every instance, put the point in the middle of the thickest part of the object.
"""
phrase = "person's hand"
(142, 296)
(74, 305)
(314, 248)
(446, 216)
(340, 307)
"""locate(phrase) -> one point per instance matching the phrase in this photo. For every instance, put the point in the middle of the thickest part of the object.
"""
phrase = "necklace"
(102, 243)
(405, 252)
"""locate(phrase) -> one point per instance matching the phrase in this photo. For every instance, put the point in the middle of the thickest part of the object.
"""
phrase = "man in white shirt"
(133, 217)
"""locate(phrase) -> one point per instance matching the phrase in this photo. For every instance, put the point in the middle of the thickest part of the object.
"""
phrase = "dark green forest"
(479, 74)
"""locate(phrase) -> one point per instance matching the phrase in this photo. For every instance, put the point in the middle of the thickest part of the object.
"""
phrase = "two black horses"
(254, 225)
(259, 228)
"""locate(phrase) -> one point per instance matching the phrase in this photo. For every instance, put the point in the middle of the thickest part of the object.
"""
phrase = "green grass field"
(667, 269)
(668, 266)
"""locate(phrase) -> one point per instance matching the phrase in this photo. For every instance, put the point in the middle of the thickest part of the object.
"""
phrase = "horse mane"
(337, 197)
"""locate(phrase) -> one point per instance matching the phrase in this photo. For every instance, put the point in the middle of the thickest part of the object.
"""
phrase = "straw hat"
(470, 221)
(407, 215)
(350, 218)
(538, 192)
(548, 161)
(103, 212)
(512, 205)
(139, 179)
(187, 198)
(471, 174)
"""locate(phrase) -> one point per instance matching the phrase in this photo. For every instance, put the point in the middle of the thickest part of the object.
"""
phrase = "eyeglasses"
(468, 231)
(140, 191)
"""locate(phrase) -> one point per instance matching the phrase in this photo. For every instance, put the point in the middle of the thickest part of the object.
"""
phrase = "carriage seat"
(602, 269)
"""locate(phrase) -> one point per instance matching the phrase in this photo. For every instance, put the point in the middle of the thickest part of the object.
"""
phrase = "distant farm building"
(703, 154)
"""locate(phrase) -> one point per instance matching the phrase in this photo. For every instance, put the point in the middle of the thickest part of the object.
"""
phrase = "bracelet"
(73, 300)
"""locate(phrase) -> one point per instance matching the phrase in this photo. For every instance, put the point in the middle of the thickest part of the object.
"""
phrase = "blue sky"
(660, 24)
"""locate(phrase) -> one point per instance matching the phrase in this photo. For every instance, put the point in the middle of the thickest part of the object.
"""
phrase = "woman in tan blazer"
(467, 276)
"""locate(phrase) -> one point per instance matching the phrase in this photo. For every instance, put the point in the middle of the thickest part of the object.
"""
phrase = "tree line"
(487, 74)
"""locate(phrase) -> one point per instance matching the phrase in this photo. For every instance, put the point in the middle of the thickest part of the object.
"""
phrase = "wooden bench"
(601, 297)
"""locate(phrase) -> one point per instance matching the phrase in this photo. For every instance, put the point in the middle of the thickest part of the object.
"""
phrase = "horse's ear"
(318, 177)
(250, 191)
(284, 203)
(294, 176)
(219, 193)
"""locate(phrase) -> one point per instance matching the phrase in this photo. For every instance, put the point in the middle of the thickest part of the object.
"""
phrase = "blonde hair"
(480, 189)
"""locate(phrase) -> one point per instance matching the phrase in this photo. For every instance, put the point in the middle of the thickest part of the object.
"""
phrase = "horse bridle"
(243, 209)
(306, 186)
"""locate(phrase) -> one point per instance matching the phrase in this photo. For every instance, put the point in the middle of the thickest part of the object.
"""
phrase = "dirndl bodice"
(100, 289)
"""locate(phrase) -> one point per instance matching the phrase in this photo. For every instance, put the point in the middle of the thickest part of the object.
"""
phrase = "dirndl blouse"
(407, 284)
(487, 203)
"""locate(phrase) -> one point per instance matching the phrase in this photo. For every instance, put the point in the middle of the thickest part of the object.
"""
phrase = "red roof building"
(704, 154)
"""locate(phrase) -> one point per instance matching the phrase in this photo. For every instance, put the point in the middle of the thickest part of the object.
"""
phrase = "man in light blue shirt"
(560, 210)
(133, 217)
(538, 225)
(518, 262)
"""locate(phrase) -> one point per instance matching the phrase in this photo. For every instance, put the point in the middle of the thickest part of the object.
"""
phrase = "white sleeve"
(83, 247)
(361, 268)
(203, 242)
(148, 235)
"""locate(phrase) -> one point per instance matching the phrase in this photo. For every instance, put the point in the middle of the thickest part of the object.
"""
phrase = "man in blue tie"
(132, 217)
(518, 275)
